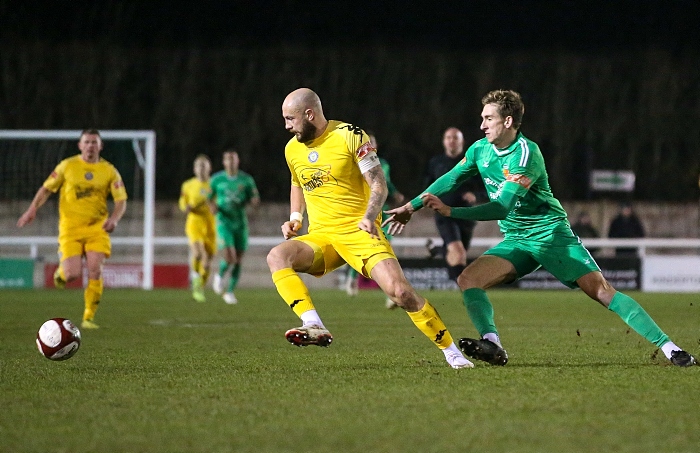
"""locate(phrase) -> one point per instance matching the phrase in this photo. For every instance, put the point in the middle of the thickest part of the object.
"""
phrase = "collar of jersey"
(510, 148)
(315, 142)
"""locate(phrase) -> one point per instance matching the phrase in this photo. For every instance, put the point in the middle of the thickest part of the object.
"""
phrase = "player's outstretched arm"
(398, 218)
(29, 215)
(434, 203)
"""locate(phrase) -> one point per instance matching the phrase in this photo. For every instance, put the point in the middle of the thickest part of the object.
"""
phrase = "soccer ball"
(58, 339)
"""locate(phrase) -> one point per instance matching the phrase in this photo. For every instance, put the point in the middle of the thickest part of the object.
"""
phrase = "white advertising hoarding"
(671, 274)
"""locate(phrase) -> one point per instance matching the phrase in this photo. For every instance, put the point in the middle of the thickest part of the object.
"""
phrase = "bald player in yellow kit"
(200, 225)
(338, 179)
(84, 182)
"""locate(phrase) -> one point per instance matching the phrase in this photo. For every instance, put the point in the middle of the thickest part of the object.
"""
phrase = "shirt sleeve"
(117, 186)
(56, 178)
(182, 201)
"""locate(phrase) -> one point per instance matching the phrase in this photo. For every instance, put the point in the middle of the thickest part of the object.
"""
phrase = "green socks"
(235, 275)
(480, 310)
(634, 315)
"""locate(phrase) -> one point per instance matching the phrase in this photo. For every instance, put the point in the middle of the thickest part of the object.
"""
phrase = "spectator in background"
(583, 228)
(626, 225)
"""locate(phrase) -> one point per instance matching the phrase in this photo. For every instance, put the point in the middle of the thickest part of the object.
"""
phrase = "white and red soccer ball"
(58, 339)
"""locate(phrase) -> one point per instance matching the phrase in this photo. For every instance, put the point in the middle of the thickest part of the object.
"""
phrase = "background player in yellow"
(85, 181)
(199, 226)
(337, 178)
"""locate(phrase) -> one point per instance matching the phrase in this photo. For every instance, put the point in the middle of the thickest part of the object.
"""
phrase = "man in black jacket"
(456, 234)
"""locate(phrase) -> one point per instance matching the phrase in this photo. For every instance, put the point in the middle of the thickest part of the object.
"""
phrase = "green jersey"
(232, 193)
(516, 180)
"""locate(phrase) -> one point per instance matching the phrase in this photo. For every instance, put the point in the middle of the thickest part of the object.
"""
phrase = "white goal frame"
(146, 160)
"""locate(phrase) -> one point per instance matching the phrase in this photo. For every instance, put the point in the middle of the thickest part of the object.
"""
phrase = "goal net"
(27, 157)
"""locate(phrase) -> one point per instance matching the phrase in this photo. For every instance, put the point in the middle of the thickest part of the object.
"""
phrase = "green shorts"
(564, 257)
(232, 237)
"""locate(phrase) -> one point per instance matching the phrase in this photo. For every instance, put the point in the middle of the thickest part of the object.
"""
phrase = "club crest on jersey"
(89, 175)
(313, 156)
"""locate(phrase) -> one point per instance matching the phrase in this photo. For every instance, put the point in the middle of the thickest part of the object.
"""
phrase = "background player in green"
(231, 190)
(535, 228)
(351, 283)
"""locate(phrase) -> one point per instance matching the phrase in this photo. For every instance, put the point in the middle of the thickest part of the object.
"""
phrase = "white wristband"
(298, 216)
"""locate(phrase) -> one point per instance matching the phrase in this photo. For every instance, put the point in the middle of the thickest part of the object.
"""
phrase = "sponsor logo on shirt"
(313, 156)
(520, 179)
(314, 178)
(89, 175)
(118, 184)
(363, 150)
(82, 192)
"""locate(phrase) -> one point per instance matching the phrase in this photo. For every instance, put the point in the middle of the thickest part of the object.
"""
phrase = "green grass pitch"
(165, 374)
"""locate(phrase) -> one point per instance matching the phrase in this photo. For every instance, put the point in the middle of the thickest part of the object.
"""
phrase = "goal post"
(21, 150)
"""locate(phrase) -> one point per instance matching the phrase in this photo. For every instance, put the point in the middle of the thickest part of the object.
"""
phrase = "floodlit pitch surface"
(166, 374)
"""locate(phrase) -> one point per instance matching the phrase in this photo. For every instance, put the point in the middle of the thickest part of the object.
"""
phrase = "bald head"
(453, 142)
(303, 99)
(303, 114)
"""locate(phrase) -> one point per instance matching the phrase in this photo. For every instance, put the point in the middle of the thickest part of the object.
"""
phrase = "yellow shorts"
(357, 249)
(201, 229)
(77, 241)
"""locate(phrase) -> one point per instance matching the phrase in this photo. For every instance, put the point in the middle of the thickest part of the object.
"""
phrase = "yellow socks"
(203, 272)
(428, 321)
(293, 290)
(93, 294)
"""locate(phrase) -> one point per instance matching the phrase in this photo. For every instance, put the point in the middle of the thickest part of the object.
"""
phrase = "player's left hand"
(109, 225)
(434, 203)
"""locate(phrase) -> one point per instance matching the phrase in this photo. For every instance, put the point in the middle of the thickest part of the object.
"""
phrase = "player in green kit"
(231, 190)
(535, 228)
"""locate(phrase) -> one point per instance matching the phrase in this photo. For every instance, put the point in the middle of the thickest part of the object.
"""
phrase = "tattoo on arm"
(378, 191)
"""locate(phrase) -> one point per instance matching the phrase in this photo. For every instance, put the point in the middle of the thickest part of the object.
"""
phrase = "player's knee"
(94, 273)
(403, 294)
(72, 274)
(465, 281)
(278, 259)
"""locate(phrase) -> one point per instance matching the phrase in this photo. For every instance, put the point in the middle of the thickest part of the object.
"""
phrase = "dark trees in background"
(633, 108)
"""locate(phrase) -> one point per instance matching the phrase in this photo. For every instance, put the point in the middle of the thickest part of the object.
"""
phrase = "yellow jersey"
(195, 194)
(84, 188)
(335, 192)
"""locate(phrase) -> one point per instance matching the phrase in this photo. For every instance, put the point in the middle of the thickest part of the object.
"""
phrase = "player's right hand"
(26, 218)
(290, 228)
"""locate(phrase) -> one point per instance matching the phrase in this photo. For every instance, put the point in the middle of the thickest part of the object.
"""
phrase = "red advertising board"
(117, 275)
